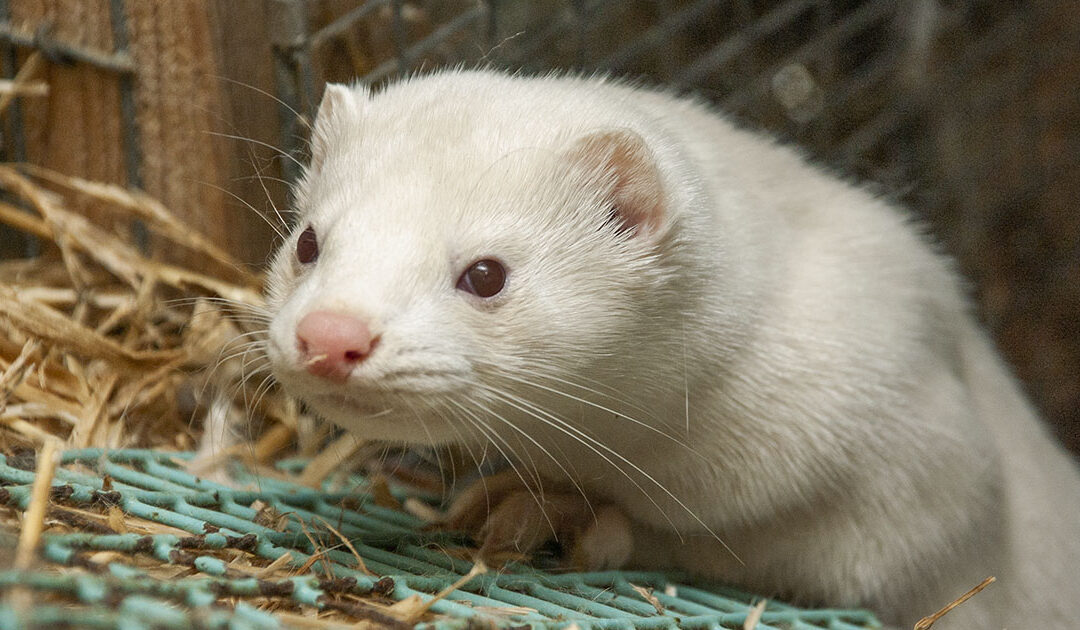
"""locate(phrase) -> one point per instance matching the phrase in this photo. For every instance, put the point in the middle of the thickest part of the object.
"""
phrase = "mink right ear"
(338, 105)
(620, 159)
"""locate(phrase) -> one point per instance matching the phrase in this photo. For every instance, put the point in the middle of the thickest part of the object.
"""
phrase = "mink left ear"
(622, 161)
(338, 107)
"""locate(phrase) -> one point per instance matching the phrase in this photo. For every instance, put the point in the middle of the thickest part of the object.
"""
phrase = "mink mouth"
(361, 406)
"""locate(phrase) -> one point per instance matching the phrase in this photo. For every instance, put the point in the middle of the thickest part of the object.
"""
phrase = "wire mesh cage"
(829, 74)
(962, 109)
(848, 80)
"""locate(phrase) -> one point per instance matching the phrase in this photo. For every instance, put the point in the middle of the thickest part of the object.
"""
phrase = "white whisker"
(249, 206)
(606, 453)
(277, 150)
(601, 407)
(494, 438)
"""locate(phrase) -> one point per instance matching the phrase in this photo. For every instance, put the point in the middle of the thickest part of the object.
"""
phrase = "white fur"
(790, 366)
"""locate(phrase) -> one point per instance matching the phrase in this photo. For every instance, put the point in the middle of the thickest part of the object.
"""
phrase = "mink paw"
(508, 520)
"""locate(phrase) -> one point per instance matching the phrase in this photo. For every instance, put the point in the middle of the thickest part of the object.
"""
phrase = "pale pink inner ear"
(625, 163)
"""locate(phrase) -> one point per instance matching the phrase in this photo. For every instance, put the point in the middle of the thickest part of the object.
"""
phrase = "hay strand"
(34, 519)
(754, 617)
(411, 610)
(329, 460)
(926, 622)
(22, 81)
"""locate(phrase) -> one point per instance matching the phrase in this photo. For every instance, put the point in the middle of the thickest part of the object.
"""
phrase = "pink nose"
(332, 344)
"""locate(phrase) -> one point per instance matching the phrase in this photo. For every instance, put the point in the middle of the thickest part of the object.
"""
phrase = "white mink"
(693, 324)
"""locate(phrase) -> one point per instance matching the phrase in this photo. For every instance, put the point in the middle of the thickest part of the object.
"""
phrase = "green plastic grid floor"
(407, 560)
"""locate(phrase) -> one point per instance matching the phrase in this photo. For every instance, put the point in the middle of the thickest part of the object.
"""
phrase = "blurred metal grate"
(966, 110)
(223, 523)
(822, 72)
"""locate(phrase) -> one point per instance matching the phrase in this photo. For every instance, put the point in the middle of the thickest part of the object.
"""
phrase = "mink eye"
(307, 246)
(484, 278)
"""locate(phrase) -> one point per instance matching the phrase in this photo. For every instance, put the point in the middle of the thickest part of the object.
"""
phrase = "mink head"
(471, 257)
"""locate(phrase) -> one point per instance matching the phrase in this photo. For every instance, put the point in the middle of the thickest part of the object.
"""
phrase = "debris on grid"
(413, 608)
(34, 522)
(647, 595)
(752, 619)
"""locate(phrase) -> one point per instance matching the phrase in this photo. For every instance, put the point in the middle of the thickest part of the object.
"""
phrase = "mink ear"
(337, 106)
(621, 160)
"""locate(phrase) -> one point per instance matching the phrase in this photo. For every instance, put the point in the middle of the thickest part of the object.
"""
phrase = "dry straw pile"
(103, 346)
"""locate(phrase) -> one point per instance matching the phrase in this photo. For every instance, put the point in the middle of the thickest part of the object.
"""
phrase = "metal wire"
(565, 34)
(405, 559)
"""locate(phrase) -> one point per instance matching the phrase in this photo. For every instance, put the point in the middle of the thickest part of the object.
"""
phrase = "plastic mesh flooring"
(207, 593)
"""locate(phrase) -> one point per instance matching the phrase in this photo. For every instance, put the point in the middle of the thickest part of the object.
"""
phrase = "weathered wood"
(184, 52)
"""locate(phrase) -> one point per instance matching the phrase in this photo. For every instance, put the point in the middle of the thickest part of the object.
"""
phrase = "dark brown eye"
(307, 246)
(483, 278)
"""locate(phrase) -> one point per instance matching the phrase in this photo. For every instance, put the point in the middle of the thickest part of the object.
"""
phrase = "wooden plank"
(245, 78)
(181, 49)
(76, 129)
